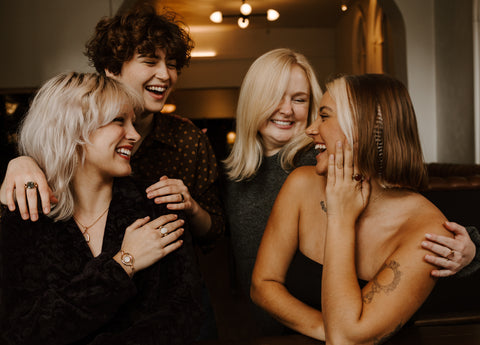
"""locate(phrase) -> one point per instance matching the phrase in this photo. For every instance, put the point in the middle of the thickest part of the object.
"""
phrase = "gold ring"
(450, 255)
(164, 232)
(31, 185)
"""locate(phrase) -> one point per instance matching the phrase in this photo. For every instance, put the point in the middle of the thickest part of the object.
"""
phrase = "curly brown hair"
(140, 30)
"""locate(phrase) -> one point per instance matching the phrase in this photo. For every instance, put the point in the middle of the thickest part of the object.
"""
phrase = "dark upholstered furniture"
(455, 190)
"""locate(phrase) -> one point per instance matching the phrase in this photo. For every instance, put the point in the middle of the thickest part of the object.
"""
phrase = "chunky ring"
(31, 185)
(183, 199)
(164, 232)
(357, 177)
(450, 255)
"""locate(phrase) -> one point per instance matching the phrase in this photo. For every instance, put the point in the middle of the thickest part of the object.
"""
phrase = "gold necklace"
(85, 228)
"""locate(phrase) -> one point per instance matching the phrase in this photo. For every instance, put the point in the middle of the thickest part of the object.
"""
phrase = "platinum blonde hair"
(64, 113)
(262, 90)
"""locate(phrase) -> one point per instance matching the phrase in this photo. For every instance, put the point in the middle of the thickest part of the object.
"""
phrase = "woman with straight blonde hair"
(106, 265)
(278, 99)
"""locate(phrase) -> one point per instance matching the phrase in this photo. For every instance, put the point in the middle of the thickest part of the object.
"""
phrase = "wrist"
(127, 261)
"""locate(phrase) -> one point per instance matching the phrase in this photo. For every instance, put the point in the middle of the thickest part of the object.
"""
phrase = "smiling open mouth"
(158, 90)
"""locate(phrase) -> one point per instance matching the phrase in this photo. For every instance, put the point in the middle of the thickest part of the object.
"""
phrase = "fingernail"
(339, 144)
(428, 235)
(424, 243)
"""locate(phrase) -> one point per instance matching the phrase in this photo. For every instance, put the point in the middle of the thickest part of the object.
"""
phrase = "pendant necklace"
(85, 228)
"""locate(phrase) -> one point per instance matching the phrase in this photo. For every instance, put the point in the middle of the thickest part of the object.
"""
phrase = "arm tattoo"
(324, 206)
(387, 336)
(387, 288)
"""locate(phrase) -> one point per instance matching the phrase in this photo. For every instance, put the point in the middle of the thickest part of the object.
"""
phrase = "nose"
(285, 107)
(161, 72)
(312, 130)
(131, 133)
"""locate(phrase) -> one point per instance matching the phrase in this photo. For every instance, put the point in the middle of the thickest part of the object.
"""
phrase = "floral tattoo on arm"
(388, 287)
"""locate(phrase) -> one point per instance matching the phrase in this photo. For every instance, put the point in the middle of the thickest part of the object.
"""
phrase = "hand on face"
(172, 192)
(347, 192)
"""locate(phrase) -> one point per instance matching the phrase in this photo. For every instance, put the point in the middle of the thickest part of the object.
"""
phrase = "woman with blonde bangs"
(358, 231)
(106, 265)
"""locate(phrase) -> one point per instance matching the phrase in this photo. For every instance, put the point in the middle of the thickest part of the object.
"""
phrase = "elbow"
(256, 291)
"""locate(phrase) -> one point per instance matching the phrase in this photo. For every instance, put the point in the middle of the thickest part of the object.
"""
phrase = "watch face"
(127, 259)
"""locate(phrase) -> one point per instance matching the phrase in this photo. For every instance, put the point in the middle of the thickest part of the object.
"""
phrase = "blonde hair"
(64, 113)
(376, 115)
(261, 92)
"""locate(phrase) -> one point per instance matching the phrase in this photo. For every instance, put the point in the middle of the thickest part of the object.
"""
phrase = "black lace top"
(53, 291)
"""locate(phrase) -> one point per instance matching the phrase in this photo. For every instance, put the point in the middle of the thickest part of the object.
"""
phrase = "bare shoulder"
(424, 217)
(305, 177)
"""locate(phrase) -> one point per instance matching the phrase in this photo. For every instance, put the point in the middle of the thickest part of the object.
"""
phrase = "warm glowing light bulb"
(168, 108)
(344, 7)
(231, 136)
(243, 22)
(245, 9)
(216, 17)
(272, 15)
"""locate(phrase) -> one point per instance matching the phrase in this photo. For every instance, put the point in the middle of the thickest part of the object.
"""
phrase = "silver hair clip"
(378, 132)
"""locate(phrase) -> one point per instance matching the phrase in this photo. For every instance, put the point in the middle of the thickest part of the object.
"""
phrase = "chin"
(321, 169)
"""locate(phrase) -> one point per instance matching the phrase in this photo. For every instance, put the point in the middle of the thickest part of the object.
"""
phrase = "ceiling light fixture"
(244, 16)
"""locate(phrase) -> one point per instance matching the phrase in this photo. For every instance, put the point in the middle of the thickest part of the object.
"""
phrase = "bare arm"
(278, 246)
(370, 315)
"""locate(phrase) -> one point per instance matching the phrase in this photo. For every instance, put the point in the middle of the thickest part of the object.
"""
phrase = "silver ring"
(164, 231)
(183, 199)
(31, 185)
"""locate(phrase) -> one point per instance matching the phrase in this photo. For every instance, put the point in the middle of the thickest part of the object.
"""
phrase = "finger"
(441, 262)
(457, 229)
(162, 220)
(172, 247)
(138, 223)
(22, 202)
(157, 185)
(339, 160)
(436, 248)
(32, 203)
(349, 168)
(10, 195)
(46, 196)
(172, 237)
(442, 273)
(331, 170)
(165, 229)
(443, 241)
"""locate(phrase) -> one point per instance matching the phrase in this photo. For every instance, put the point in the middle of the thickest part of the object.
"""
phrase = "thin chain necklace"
(85, 228)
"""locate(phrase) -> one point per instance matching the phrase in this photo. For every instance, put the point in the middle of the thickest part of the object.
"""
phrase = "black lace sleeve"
(40, 301)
